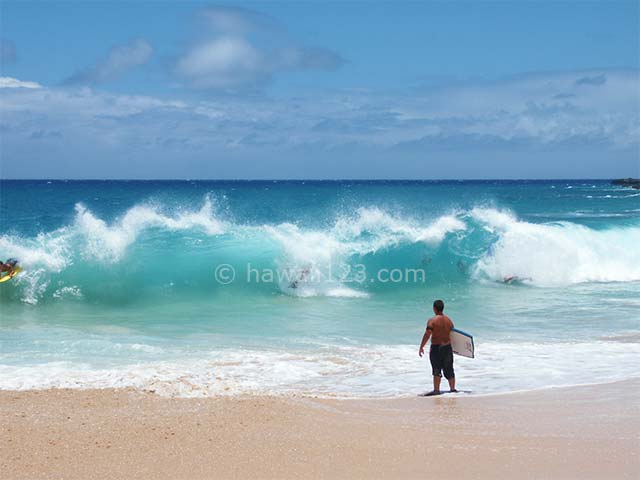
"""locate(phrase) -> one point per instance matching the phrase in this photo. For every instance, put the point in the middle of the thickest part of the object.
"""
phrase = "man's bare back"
(440, 327)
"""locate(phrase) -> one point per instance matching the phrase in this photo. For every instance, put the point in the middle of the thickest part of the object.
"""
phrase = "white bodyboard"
(462, 343)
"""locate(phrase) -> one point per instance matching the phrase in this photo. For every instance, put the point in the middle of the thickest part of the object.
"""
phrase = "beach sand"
(580, 432)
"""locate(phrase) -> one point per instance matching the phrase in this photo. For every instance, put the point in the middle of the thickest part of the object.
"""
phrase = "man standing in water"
(441, 354)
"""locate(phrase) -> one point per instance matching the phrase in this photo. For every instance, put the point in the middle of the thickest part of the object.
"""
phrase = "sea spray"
(136, 251)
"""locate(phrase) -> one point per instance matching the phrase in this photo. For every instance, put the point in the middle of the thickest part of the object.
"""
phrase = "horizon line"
(305, 179)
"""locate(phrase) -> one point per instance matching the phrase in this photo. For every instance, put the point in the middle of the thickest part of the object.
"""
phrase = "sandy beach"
(580, 432)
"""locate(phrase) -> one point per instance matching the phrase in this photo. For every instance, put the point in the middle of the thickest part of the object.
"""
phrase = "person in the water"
(441, 354)
(8, 266)
(515, 279)
(301, 278)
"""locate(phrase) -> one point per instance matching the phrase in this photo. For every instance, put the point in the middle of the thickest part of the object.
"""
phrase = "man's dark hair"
(438, 305)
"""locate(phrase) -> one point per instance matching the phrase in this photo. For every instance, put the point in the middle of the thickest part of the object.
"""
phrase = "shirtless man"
(441, 353)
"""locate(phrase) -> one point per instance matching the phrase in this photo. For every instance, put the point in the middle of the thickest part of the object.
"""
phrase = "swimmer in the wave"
(303, 274)
(515, 279)
(9, 266)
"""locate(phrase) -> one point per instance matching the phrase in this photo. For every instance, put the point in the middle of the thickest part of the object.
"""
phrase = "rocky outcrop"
(628, 182)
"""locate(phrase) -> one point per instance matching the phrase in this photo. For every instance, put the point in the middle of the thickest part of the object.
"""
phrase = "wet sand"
(580, 432)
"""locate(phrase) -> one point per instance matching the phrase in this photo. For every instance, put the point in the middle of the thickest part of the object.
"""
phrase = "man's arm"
(425, 338)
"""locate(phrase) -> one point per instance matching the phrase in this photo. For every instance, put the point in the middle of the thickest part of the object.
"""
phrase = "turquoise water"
(203, 288)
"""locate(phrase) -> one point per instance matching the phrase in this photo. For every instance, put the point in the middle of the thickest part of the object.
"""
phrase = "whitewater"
(122, 287)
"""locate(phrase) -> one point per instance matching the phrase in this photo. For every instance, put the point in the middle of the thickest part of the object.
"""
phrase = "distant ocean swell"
(151, 248)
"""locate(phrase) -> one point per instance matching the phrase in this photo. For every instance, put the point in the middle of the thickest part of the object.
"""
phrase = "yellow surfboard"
(9, 276)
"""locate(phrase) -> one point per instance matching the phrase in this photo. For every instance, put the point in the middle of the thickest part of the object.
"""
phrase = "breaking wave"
(151, 250)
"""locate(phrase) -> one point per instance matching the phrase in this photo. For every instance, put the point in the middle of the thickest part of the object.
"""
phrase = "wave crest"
(109, 243)
(560, 253)
(480, 243)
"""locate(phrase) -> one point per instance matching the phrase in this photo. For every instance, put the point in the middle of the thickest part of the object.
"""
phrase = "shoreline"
(568, 432)
(301, 395)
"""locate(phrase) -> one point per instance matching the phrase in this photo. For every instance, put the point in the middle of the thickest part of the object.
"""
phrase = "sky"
(320, 90)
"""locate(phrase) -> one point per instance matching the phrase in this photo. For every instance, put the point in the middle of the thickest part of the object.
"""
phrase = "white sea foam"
(99, 240)
(370, 230)
(324, 254)
(336, 291)
(385, 230)
(72, 291)
(557, 253)
(47, 250)
(614, 196)
(343, 371)
(109, 242)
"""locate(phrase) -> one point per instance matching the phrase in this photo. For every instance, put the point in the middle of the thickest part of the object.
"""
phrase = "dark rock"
(627, 182)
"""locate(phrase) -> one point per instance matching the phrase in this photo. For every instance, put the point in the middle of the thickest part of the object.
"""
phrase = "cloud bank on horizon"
(220, 120)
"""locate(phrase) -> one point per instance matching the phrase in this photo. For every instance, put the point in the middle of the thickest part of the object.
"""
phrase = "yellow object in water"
(9, 276)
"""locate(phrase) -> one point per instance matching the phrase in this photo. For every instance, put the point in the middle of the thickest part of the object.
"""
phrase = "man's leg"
(452, 384)
(447, 368)
(436, 371)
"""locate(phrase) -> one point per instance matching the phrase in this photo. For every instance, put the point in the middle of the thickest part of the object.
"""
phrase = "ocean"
(323, 288)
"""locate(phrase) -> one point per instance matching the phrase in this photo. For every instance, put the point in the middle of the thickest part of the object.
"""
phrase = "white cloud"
(526, 112)
(10, 82)
(546, 107)
(119, 60)
(222, 62)
(549, 121)
(243, 48)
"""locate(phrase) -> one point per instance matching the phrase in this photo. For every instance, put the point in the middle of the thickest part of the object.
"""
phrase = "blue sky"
(319, 89)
